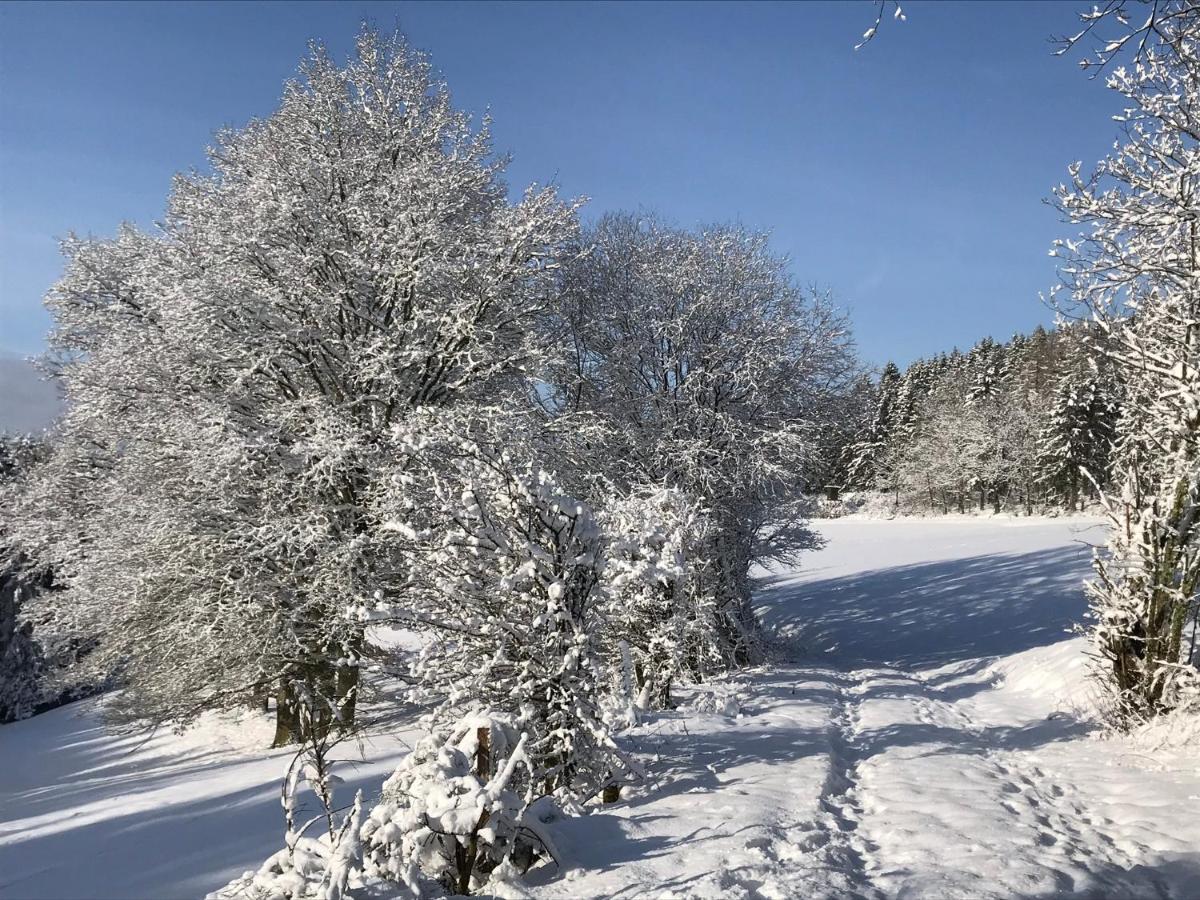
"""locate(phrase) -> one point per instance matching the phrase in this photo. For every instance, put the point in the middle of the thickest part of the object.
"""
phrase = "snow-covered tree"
(1080, 424)
(234, 382)
(867, 454)
(506, 579)
(945, 455)
(693, 362)
(662, 608)
(846, 419)
(914, 389)
(1136, 267)
(32, 657)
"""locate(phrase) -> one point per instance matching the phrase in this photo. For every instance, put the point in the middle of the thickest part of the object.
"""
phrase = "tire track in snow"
(847, 848)
(834, 858)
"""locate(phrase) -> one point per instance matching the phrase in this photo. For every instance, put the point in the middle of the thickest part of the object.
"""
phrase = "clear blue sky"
(907, 177)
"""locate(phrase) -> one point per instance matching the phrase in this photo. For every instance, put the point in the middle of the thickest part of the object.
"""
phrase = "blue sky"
(907, 178)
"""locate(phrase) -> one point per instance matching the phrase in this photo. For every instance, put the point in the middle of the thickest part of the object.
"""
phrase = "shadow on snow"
(931, 613)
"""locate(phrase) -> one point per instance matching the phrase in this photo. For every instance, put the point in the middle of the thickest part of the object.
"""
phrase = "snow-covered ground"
(923, 733)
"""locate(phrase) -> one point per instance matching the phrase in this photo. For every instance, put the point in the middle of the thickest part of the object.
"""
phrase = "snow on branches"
(454, 812)
(663, 613)
(234, 380)
(507, 578)
(1135, 266)
(691, 361)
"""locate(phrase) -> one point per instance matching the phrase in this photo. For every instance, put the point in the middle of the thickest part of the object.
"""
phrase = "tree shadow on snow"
(1167, 875)
(931, 613)
(947, 740)
(696, 762)
(193, 846)
(162, 844)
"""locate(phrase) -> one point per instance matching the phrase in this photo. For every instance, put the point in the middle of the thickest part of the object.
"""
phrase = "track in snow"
(824, 856)
(1052, 838)
(846, 848)
(898, 763)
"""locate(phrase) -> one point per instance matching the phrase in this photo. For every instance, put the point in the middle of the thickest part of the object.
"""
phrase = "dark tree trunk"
(347, 695)
(287, 719)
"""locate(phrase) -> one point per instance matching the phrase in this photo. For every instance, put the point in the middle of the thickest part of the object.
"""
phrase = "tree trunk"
(348, 681)
(483, 753)
(294, 724)
(287, 718)
(347, 695)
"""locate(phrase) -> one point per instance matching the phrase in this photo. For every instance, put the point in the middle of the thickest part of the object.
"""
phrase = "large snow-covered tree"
(234, 381)
(692, 361)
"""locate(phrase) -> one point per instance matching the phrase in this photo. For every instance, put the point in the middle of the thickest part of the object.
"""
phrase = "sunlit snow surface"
(922, 733)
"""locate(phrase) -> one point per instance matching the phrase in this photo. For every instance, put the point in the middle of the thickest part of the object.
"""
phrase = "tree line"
(1027, 425)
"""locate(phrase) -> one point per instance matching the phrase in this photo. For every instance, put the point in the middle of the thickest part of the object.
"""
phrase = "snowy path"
(921, 736)
(953, 757)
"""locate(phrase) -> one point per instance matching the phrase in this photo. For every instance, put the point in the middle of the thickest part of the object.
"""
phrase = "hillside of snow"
(924, 731)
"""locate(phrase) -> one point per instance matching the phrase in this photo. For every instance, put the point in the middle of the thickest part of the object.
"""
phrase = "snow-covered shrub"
(452, 810)
(506, 576)
(312, 869)
(315, 868)
(660, 597)
(459, 814)
(717, 699)
(867, 504)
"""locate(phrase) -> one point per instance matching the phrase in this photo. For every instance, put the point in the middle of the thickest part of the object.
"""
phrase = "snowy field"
(923, 733)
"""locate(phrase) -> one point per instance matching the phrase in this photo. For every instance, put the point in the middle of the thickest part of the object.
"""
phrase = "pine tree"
(867, 455)
(1075, 443)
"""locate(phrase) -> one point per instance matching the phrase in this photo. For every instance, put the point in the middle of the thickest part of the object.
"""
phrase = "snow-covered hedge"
(461, 813)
